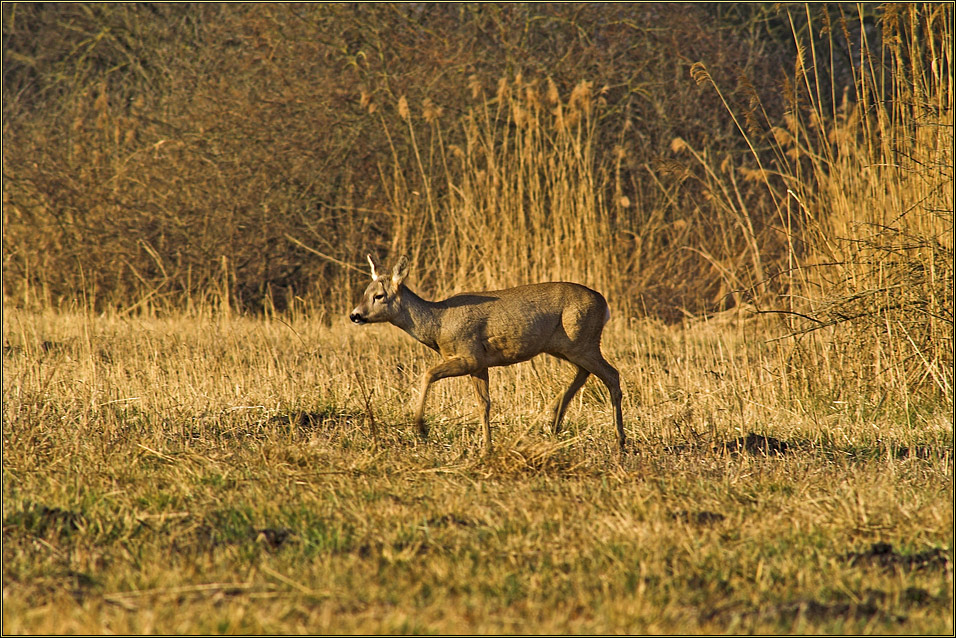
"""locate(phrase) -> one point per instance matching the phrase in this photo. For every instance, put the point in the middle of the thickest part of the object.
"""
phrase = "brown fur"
(476, 331)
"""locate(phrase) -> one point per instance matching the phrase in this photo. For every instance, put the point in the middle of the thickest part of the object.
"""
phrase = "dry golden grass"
(863, 191)
(212, 475)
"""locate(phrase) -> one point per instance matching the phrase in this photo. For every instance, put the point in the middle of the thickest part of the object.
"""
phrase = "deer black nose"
(357, 318)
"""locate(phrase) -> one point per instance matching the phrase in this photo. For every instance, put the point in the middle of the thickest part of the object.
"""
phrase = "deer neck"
(419, 318)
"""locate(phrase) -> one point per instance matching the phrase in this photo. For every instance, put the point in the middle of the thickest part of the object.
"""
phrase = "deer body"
(476, 331)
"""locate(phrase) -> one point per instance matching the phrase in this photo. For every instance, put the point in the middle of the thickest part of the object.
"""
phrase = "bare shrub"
(158, 157)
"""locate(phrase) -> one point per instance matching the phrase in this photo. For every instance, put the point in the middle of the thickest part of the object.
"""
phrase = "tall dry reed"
(863, 188)
(520, 200)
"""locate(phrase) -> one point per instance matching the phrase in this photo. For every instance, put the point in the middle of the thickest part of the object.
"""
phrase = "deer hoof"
(422, 429)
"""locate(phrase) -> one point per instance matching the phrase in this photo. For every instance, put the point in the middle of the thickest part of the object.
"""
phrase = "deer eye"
(378, 297)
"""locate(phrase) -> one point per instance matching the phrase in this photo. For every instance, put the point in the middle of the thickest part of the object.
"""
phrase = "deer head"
(383, 297)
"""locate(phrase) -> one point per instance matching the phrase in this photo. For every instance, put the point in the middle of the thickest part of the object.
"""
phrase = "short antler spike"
(372, 264)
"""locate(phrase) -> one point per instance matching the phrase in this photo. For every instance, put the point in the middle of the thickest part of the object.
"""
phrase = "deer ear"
(400, 271)
(371, 262)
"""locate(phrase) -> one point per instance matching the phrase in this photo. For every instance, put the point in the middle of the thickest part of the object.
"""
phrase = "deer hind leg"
(599, 367)
(562, 403)
(451, 368)
(480, 380)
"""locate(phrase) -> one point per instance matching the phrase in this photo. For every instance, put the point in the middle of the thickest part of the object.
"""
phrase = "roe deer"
(479, 330)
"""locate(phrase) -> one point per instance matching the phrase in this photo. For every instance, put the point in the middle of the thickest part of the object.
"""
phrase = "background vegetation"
(166, 151)
(764, 193)
(159, 152)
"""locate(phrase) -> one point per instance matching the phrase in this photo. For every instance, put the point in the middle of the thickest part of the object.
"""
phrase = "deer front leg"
(480, 379)
(451, 368)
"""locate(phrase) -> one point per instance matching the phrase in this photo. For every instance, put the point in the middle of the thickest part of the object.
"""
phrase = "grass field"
(207, 474)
